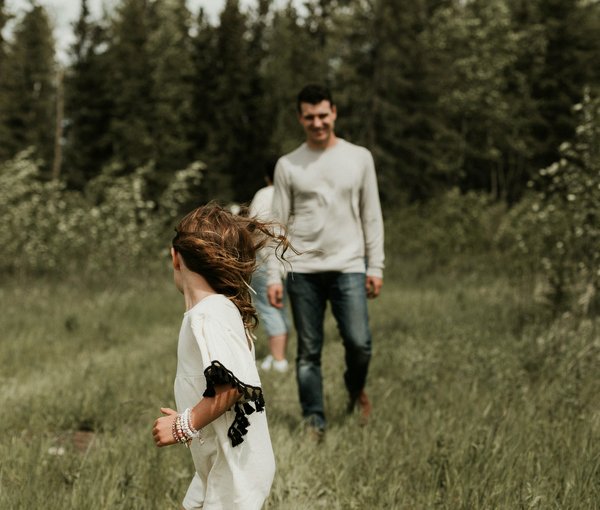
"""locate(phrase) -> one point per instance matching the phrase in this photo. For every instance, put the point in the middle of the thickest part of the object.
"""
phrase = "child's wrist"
(190, 417)
(183, 429)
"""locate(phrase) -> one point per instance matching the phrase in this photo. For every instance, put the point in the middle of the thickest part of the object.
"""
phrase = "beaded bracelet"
(194, 433)
(185, 423)
(183, 431)
(180, 432)
(175, 430)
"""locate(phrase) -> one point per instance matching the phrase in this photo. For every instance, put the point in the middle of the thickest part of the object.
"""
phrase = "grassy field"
(480, 403)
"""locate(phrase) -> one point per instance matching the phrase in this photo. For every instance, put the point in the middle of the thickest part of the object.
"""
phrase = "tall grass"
(479, 402)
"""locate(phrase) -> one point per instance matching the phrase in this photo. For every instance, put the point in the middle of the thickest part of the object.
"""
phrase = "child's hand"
(275, 295)
(163, 428)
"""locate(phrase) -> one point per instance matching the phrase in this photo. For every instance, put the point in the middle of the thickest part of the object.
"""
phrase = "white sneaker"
(280, 365)
(266, 363)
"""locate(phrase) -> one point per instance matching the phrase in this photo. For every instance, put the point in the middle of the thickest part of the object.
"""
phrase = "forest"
(482, 116)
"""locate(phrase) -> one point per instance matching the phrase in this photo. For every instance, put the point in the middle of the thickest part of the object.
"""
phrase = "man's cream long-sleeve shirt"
(329, 201)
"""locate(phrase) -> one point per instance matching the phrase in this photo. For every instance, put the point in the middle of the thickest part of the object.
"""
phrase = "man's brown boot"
(364, 406)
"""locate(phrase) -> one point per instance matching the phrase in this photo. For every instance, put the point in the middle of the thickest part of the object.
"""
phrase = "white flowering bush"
(556, 230)
(179, 195)
(110, 227)
(34, 214)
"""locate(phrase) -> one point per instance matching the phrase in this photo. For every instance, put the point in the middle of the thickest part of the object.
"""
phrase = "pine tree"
(171, 52)
(387, 83)
(87, 103)
(508, 90)
(4, 17)
(293, 60)
(130, 71)
(216, 184)
(203, 57)
(570, 62)
(5, 134)
(258, 108)
(477, 47)
(29, 80)
(231, 123)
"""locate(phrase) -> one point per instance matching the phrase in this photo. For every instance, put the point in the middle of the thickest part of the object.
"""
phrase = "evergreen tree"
(228, 156)
(387, 83)
(4, 121)
(570, 62)
(130, 72)
(509, 90)
(293, 60)
(29, 92)
(319, 23)
(203, 57)
(258, 109)
(171, 52)
(87, 103)
(483, 95)
(215, 184)
(4, 17)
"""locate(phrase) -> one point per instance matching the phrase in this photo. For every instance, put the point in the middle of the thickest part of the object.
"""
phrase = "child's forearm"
(210, 408)
(203, 413)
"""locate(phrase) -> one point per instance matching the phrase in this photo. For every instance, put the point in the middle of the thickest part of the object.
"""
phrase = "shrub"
(452, 229)
(111, 226)
(555, 231)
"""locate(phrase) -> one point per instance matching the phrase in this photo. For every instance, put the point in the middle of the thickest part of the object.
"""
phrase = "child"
(274, 320)
(217, 388)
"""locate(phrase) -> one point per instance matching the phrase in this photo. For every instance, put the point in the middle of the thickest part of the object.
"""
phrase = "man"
(325, 192)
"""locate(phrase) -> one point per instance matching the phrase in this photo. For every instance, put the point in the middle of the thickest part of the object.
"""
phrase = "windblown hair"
(222, 246)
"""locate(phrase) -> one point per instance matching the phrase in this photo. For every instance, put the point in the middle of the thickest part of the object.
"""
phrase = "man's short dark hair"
(313, 94)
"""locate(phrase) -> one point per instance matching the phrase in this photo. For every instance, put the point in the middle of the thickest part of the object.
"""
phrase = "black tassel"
(217, 374)
(209, 392)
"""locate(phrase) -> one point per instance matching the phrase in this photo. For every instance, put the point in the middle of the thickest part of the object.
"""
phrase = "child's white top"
(235, 464)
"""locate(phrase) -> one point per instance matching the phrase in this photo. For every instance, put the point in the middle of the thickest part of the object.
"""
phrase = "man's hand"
(373, 285)
(275, 295)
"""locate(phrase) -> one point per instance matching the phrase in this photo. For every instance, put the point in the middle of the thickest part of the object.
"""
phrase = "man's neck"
(330, 142)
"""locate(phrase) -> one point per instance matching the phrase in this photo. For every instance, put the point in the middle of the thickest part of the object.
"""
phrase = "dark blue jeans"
(308, 294)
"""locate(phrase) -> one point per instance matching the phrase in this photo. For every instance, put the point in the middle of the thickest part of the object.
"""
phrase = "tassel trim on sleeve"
(251, 399)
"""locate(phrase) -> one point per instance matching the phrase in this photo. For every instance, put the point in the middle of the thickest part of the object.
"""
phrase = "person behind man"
(326, 193)
(274, 320)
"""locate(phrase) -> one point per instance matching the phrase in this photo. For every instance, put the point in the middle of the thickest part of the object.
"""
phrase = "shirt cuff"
(274, 281)
(375, 271)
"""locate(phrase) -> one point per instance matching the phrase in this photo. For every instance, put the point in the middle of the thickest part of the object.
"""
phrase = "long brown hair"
(222, 246)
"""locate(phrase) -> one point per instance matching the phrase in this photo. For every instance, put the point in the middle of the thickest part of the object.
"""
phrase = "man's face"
(318, 121)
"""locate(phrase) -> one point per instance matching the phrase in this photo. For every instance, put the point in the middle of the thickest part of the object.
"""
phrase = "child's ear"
(175, 259)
